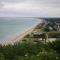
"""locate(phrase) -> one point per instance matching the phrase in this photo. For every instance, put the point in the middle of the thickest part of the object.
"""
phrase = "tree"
(48, 55)
(45, 37)
(2, 56)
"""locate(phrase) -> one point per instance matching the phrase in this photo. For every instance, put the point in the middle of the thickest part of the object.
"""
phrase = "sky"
(29, 8)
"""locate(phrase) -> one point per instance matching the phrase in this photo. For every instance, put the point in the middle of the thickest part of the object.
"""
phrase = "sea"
(13, 26)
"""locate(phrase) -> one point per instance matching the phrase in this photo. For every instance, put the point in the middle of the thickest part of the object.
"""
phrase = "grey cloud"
(1, 5)
(46, 4)
(50, 3)
(45, 1)
(12, 0)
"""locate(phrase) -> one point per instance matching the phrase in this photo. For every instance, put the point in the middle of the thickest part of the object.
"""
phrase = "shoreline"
(22, 35)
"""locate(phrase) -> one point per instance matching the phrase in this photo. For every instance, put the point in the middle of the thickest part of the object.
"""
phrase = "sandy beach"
(12, 40)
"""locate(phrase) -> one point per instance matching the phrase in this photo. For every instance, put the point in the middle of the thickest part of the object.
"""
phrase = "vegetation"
(31, 48)
(35, 50)
(54, 34)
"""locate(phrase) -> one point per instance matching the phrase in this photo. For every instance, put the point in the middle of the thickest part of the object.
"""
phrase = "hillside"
(34, 46)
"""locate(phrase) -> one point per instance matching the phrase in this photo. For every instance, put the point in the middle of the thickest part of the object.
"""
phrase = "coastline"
(22, 35)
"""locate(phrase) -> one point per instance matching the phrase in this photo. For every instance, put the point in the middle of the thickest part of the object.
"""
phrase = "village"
(47, 31)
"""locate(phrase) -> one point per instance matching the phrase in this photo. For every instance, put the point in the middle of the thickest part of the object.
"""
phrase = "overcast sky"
(30, 8)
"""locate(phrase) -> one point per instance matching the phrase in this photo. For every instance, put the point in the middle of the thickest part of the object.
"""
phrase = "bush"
(31, 51)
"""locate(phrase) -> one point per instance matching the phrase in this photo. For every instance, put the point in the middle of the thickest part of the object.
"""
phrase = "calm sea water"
(10, 27)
